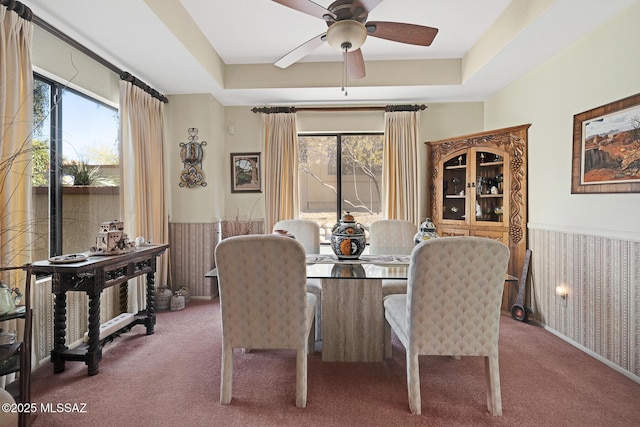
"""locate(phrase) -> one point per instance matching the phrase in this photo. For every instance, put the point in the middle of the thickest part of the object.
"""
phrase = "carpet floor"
(172, 378)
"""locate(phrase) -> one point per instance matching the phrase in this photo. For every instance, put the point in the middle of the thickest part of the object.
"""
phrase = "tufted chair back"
(263, 302)
(392, 237)
(389, 236)
(305, 231)
(452, 307)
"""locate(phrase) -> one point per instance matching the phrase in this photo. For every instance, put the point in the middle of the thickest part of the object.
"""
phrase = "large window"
(338, 173)
(75, 168)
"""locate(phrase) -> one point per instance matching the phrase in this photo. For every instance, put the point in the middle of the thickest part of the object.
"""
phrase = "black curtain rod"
(124, 75)
(387, 108)
(20, 8)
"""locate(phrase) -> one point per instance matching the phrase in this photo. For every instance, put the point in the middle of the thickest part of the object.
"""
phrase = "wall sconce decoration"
(191, 156)
(562, 291)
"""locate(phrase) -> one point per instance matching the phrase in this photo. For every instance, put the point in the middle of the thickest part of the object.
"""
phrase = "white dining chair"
(392, 237)
(264, 303)
(307, 232)
(451, 308)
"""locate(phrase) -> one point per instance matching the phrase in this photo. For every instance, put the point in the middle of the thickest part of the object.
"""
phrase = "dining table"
(351, 301)
(352, 310)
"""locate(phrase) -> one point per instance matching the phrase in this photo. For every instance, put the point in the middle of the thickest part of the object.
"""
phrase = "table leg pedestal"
(352, 320)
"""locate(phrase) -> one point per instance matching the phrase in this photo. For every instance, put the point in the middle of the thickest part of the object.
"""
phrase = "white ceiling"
(131, 35)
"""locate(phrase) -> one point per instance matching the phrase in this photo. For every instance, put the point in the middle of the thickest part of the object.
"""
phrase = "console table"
(92, 276)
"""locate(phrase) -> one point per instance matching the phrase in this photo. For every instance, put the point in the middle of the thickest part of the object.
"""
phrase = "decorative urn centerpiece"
(426, 231)
(347, 238)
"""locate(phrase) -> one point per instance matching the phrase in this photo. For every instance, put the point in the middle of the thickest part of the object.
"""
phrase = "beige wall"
(598, 69)
(201, 203)
(55, 59)
(440, 120)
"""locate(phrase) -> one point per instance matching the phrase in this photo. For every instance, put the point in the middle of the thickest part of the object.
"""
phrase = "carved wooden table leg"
(59, 331)
(94, 351)
(150, 321)
(123, 293)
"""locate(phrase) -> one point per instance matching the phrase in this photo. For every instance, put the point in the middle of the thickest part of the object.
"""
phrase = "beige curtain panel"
(16, 118)
(281, 167)
(143, 204)
(400, 166)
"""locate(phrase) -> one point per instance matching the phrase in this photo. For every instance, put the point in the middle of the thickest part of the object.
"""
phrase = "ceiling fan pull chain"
(344, 71)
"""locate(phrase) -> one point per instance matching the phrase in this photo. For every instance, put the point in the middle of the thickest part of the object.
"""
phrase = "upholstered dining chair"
(264, 303)
(392, 237)
(307, 232)
(451, 308)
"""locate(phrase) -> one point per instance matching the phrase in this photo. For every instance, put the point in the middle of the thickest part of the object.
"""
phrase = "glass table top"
(328, 266)
(368, 266)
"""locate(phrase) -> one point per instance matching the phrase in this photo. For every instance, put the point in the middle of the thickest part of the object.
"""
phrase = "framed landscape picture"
(606, 148)
(245, 173)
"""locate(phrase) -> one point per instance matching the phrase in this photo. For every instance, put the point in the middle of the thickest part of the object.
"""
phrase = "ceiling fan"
(348, 29)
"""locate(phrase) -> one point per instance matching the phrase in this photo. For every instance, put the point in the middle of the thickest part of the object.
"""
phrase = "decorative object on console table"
(606, 148)
(245, 173)
(479, 162)
(191, 156)
(111, 240)
(347, 238)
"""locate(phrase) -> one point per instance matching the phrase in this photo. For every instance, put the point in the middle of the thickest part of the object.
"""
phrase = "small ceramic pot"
(186, 292)
(163, 298)
(177, 302)
(347, 238)
(426, 231)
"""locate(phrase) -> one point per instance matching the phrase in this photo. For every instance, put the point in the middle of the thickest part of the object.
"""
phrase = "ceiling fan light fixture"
(347, 34)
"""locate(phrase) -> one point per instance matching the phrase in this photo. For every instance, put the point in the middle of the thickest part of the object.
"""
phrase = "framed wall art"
(606, 148)
(245, 173)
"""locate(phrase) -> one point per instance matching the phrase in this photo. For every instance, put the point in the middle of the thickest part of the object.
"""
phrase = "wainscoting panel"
(601, 311)
(193, 251)
(192, 255)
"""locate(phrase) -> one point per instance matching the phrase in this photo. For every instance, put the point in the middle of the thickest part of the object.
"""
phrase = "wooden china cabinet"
(478, 187)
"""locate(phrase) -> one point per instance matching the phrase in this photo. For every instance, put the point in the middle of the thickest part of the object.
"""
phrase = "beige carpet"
(172, 378)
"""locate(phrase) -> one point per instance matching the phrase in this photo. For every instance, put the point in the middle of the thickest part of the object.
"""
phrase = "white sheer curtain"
(16, 118)
(143, 204)
(281, 167)
(400, 166)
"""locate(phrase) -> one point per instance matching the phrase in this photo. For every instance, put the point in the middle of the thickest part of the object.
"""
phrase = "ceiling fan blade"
(308, 7)
(301, 51)
(403, 33)
(355, 65)
(359, 6)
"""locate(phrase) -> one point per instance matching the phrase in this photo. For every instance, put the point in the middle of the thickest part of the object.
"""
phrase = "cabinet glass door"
(490, 203)
(454, 187)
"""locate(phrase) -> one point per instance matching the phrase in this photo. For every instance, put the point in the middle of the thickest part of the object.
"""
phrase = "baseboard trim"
(630, 375)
